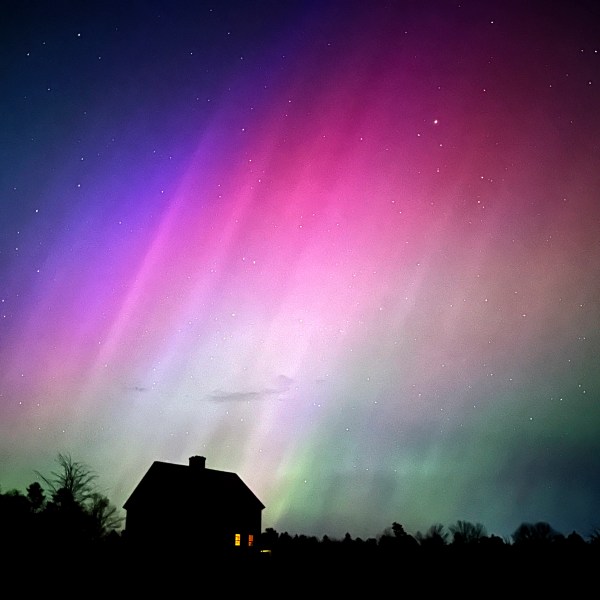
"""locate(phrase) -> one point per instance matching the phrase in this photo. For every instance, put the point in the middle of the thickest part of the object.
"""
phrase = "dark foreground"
(468, 572)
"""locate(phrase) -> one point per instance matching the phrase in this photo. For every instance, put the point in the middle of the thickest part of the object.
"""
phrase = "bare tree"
(536, 533)
(464, 532)
(74, 481)
(435, 536)
(104, 513)
(595, 536)
(77, 510)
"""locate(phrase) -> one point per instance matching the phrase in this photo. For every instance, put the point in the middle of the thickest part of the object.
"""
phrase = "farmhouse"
(192, 507)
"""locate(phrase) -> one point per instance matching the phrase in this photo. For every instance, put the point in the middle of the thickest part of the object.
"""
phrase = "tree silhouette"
(35, 494)
(395, 540)
(15, 518)
(540, 533)
(466, 533)
(435, 537)
(104, 514)
(268, 539)
(398, 530)
(74, 480)
(77, 513)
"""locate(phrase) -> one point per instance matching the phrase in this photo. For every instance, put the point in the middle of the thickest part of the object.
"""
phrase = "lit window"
(238, 539)
(250, 540)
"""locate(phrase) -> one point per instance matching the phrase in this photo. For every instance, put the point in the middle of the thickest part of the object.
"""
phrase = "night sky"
(348, 250)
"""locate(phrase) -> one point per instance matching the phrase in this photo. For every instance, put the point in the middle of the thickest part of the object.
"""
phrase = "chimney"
(197, 462)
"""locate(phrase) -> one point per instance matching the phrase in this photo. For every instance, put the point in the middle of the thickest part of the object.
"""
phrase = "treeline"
(460, 539)
(459, 535)
(460, 560)
(65, 510)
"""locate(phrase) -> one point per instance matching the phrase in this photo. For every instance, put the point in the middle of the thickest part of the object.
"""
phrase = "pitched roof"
(186, 481)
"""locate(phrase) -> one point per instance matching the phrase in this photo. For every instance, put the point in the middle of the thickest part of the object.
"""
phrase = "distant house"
(181, 507)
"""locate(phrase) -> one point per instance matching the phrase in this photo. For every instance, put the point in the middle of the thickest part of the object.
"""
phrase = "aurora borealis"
(348, 250)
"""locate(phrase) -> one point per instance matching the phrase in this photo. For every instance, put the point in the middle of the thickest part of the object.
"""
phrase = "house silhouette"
(175, 508)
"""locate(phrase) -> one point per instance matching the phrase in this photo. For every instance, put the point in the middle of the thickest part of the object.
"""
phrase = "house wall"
(170, 527)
